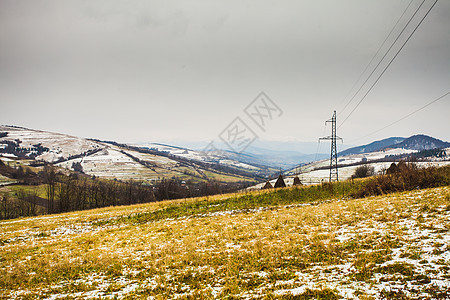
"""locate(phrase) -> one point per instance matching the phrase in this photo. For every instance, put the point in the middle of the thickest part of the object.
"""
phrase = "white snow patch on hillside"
(111, 163)
(198, 155)
(319, 176)
(60, 145)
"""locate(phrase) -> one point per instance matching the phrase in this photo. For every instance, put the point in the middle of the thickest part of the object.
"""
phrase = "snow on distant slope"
(111, 163)
(421, 142)
(356, 158)
(318, 171)
(415, 142)
(59, 145)
(214, 156)
(374, 146)
(319, 176)
(108, 160)
(176, 151)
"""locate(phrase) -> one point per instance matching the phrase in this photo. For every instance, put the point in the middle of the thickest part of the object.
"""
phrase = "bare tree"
(50, 180)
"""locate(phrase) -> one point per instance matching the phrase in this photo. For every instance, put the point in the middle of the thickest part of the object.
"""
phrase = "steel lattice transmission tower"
(333, 158)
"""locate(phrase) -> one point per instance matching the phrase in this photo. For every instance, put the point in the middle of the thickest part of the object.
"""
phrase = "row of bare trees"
(72, 192)
(64, 193)
(26, 203)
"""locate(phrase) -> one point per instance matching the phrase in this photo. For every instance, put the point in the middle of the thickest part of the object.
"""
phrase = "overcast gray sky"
(165, 71)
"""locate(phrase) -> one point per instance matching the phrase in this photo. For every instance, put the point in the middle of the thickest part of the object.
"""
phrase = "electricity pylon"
(333, 158)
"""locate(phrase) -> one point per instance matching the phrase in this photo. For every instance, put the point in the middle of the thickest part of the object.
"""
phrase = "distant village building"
(268, 185)
(280, 182)
(297, 181)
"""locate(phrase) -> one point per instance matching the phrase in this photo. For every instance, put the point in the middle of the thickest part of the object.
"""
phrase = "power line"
(401, 119)
(318, 143)
(373, 58)
(384, 56)
(384, 70)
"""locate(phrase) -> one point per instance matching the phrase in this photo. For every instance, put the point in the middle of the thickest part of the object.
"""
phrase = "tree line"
(75, 191)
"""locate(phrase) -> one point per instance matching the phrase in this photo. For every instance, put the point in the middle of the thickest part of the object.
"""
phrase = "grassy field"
(295, 243)
(226, 177)
(40, 190)
(6, 180)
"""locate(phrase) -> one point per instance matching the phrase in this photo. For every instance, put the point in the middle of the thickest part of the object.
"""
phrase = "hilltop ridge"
(414, 142)
(113, 160)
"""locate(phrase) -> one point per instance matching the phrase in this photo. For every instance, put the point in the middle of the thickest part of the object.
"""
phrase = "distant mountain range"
(416, 142)
(421, 142)
(372, 147)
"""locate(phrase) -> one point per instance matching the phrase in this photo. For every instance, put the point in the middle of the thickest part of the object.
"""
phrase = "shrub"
(407, 177)
(364, 171)
(77, 167)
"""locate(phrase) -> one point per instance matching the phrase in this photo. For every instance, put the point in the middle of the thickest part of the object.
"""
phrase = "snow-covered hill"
(120, 161)
(44, 145)
(318, 171)
(416, 142)
(372, 147)
(220, 157)
(421, 142)
(322, 175)
(153, 161)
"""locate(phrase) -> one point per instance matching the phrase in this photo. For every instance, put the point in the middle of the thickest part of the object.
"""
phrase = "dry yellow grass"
(389, 246)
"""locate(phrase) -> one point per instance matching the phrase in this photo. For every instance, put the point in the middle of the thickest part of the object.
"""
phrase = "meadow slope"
(394, 246)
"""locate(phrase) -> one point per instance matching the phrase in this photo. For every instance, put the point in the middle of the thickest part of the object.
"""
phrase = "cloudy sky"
(174, 71)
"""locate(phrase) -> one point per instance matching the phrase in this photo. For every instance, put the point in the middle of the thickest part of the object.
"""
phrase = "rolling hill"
(416, 142)
(421, 142)
(155, 161)
(113, 160)
(372, 147)
(426, 150)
